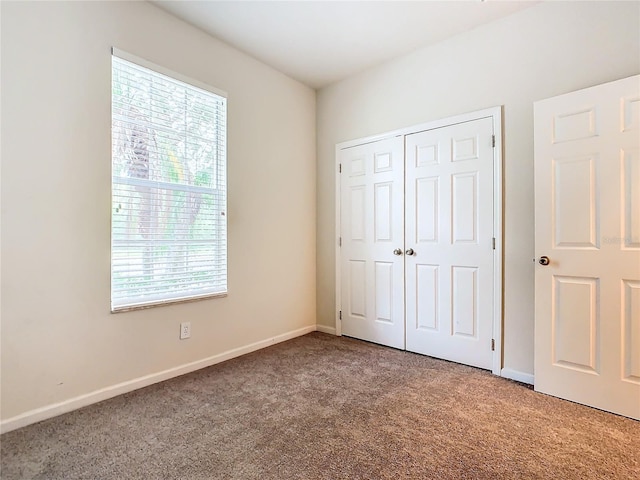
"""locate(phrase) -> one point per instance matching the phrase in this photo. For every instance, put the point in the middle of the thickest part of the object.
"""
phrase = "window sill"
(144, 306)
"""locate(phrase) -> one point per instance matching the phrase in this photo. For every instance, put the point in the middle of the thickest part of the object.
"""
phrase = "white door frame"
(495, 113)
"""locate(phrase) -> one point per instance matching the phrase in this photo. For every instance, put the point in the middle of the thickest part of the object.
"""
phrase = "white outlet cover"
(185, 330)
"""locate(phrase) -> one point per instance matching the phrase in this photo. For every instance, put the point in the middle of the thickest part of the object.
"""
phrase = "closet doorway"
(419, 230)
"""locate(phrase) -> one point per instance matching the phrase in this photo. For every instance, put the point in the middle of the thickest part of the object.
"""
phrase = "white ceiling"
(320, 42)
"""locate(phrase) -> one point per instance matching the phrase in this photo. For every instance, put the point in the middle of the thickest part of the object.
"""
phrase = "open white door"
(449, 241)
(587, 224)
(372, 230)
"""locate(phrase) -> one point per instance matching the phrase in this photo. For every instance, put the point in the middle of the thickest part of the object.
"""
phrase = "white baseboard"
(66, 406)
(516, 375)
(326, 329)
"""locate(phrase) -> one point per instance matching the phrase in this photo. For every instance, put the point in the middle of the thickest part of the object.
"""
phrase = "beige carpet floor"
(323, 407)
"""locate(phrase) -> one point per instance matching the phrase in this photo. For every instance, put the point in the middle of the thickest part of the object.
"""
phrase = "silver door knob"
(397, 251)
(410, 251)
(544, 260)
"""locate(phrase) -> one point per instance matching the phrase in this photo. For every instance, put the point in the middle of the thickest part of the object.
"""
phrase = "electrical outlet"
(185, 330)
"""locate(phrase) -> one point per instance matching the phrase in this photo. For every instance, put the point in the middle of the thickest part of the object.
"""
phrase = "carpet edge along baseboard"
(55, 409)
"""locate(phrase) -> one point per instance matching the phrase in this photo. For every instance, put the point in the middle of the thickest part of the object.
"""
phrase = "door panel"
(372, 226)
(384, 291)
(576, 323)
(587, 221)
(357, 282)
(464, 294)
(631, 329)
(631, 198)
(449, 226)
(575, 204)
(426, 210)
(465, 207)
(426, 295)
(383, 204)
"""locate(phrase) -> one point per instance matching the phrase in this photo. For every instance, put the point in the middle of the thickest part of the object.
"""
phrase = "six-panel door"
(449, 227)
(372, 225)
(587, 221)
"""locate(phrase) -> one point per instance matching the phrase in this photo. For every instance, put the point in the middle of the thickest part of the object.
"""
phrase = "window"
(168, 217)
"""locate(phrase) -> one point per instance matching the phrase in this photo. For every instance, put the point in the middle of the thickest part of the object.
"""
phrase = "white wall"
(546, 50)
(59, 340)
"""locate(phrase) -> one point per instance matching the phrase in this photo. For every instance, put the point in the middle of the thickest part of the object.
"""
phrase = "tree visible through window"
(168, 223)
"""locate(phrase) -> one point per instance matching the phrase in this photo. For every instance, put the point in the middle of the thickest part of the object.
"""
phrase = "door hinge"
(339, 168)
(493, 345)
(339, 241)
(493, 141)
(340, 315)
(494, 242)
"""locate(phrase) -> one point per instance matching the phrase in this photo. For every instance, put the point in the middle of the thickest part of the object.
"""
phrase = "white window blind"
(168, 220)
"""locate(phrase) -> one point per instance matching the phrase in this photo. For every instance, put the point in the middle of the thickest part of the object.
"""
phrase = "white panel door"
(587, 222)
(449, 242)
(372, 228)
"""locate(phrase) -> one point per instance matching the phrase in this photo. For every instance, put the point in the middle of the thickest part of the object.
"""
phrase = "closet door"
(449, 242)
(372, 228)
